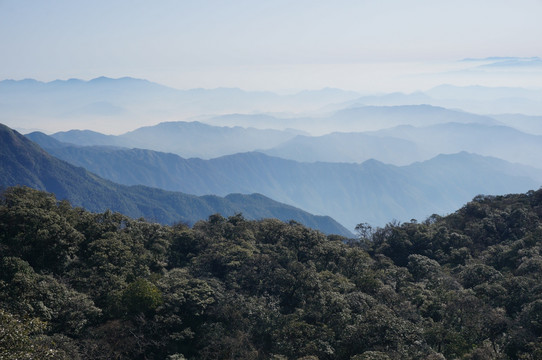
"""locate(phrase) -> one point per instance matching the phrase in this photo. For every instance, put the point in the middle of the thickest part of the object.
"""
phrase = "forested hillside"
(80, 285)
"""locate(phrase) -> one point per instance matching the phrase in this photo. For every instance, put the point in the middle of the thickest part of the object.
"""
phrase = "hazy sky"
(275, 44)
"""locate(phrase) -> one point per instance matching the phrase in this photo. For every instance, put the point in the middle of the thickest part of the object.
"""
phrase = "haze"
(282, 46)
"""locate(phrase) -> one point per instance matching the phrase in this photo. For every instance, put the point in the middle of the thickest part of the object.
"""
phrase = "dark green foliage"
(78, 285)
(16, 340)
(35, 229)
(141, 296)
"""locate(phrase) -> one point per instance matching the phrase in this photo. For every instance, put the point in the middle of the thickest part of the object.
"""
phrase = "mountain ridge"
(25, 163)
(371, 192)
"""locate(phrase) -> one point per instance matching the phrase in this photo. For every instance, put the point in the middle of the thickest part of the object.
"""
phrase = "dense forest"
(82, 285)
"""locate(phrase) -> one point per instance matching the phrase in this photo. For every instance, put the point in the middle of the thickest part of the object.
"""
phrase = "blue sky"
(274, 45)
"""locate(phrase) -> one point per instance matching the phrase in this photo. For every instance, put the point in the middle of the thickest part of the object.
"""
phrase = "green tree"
(141, 296)
(19, 341)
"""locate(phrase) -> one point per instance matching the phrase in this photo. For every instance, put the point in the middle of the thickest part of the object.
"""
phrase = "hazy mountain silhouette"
(352, 193)
(382, 117)
(474, 99)
(187, 139)
(348, 147)
(399, 145)
(498, 141)
(528, 124)
(25, 163)
(353, 117)
(118, 105)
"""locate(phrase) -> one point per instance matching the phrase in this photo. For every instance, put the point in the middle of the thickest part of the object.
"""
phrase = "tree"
(141, 296)
(18, 338)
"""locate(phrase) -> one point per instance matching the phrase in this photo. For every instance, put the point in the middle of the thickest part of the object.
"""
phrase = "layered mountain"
(382, 117)
(399, 145)
(371, 192)
(405, 144)
(349, 147)
(356, 116)
(488, 140)
(525, 123)
(476, 99)
(187, 139)
(25, 163)
(118, 105)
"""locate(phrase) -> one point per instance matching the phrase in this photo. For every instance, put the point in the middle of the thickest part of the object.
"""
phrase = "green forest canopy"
(81, 285)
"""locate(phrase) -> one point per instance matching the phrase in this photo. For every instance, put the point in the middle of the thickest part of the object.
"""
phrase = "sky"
(279, 45)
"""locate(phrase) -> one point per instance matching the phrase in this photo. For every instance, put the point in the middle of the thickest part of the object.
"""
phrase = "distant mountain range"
(398, 145)
(525, 123)
(372, 192)
(333, 152)
(405, 144)
(115, 105)
(24, 163)
(476, 99)
(488, 140)
(355, 116)
(187, 139)
(349, 147)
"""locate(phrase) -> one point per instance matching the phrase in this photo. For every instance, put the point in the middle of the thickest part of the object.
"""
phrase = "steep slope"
(25, 163)
(370, 192)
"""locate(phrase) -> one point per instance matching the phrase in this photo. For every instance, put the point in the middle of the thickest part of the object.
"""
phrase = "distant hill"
(118, 105)
(87, 137)
(348, 147)
(204, 141)
(260, 121)
(115, 106)
(392, 144)
(351, 193)
(25, 163)
(528, 124)
(406, 144)
(381, 117)
(488, 140)
(474, 99)
(187, 139)
(361, 115)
